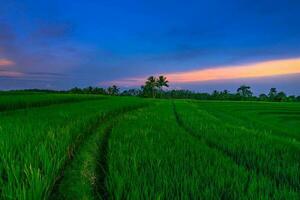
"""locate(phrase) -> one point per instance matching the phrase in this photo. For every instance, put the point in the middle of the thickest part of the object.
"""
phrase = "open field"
(55, 146)
(13, 101)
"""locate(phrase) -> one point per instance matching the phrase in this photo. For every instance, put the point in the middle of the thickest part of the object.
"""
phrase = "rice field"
(60, 146)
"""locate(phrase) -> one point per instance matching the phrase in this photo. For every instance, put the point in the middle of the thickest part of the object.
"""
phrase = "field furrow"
(266, 155)
(280, 119)
(156, 158)
(85, 173)
(251, 172)
(59, 146)
(36, 144)
(102, 166)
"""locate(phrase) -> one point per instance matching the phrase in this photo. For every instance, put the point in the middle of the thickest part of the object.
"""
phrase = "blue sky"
(62, 44)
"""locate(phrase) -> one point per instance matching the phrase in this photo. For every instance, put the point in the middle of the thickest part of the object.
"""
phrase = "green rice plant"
(257, 150)
(36, 144)
(109, 148)
(282, 119)
(82, 178)
(150, 156)
(19, 101)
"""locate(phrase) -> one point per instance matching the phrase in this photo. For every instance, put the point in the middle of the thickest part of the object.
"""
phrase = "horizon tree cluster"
(153, 88)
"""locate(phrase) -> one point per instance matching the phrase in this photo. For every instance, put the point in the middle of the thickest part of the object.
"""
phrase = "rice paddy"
(59, 146)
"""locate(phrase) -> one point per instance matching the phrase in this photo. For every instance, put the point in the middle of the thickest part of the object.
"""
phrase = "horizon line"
(230, 72)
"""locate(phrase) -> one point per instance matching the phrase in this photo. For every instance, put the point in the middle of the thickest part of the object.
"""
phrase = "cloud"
(253, 70)
(286, 83)
(43, 50)
(261, 69)
(5, 62)
(10, 74)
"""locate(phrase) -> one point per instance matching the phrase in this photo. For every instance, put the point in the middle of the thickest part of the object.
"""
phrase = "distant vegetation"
(153, 88)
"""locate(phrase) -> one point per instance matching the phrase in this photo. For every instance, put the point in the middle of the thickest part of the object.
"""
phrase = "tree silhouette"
(151, 85)
(244, 91)
(272, 93)
(75, 90)
(162, 82)
(113, 90)
(263, 97)
(281, 96)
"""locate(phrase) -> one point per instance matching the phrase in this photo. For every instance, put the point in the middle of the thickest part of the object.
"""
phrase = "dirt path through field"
(69, 171)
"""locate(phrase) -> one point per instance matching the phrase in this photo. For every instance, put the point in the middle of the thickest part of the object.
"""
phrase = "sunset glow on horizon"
(254, 70)
(87, 45)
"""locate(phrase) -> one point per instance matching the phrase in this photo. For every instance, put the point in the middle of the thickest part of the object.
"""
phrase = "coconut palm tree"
(162, 82)
(151, 83)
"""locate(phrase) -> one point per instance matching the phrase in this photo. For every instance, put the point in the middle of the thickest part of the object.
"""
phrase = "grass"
(83, 178)
(281, 119)
(56, 146)
(158, 159)
(20, 101)
(277, 158)
(36, 143)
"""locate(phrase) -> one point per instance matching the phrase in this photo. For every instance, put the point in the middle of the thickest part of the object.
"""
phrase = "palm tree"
(162, 82)
(244, 91)
(151, 83)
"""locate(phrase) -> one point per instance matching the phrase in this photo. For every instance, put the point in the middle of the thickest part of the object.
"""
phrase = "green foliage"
(170, 158)
(248, 147)
(12, 101)
(36, 143)
(135, 148)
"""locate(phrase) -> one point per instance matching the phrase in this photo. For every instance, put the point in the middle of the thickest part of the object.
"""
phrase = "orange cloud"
(254, 70)
(261, 69)
(6, 62)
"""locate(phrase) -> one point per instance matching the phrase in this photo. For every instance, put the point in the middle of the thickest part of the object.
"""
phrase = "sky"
(199, 45)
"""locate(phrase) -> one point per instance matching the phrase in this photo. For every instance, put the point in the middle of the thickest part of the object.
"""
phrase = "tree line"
(112, 90)
(154, 88)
